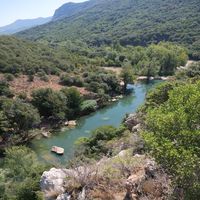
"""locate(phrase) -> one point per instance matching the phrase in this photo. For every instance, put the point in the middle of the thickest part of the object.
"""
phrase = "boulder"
(131, 121)
(53, 180)
(58, 150)
(136, 128)
(72, 123)
(149, 182)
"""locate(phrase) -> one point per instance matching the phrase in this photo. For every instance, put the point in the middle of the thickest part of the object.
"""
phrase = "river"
(110, 115)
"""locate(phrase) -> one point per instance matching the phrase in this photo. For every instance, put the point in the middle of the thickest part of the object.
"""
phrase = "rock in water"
(58, 150)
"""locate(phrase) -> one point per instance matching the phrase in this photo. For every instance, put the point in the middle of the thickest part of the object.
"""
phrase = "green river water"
(110, 115)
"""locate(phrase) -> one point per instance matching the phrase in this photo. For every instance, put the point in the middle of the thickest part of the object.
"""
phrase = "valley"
(101, 101)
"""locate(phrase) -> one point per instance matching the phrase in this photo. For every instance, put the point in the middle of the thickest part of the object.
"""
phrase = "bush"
(73, 102)
(22, 174)
(95, 146)
(44, 78)
(21, 116)
(9, 77)
(88, 106)
(5, 90)
(50, 103)
(71, 80)
(159, 95)
(173, 135)
(30, 78)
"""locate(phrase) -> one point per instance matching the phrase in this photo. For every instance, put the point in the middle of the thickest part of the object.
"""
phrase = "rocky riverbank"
(127, 175)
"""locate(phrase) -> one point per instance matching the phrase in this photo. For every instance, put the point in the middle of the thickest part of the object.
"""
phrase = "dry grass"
(116, 70)
(22, 85)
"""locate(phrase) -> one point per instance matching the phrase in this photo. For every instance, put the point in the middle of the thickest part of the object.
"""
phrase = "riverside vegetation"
(69, 59)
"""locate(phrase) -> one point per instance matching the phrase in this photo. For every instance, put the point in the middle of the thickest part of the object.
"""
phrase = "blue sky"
(11, 10)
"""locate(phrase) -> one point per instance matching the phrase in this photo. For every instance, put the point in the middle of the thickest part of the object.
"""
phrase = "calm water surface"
(110, 115)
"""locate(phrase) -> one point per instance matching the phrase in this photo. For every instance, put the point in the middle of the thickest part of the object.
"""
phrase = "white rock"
(136, 128)
(53, 180)
(64, 197)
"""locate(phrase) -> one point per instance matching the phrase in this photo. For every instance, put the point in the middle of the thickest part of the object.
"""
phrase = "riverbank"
(126, 174)
(112, 114)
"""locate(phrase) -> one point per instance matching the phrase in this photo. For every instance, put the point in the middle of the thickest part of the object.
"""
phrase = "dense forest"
(128, 22)
(20, 56)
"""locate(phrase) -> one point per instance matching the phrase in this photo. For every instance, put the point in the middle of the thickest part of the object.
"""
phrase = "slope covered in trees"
(18, 55)
(128, 22)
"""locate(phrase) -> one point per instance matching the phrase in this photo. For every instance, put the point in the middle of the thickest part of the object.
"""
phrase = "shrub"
(5, 90)
(9, 77)
(173, 135)
(50, 103)
(94, 146)
(23, 172)
(88, 106)
(21, 116)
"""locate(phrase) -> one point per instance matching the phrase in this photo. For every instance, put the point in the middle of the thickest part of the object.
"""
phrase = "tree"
(173, 136)
(50, 103)
(88, 106)
(127, 76)
(74, 100)
(4, 89)
(22, 174)
(21, 116)
(95, 145)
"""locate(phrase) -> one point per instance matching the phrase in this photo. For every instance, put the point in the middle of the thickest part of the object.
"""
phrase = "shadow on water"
(110, 115)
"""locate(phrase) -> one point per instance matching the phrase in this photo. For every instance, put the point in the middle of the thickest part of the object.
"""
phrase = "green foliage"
(127, 75)
(94, 146)
(9, 77)
(71, 80)
(192, 71)
(4, 89)
(50, 103)
(18, 116)
(21, 175)
(145, 22)
(100, 80)
(88, 106)
(19, 56)
(73, 102)
(2, 184)
(158, 95)
(173, 136)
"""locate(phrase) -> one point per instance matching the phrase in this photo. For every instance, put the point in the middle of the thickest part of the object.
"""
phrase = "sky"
(11, 10)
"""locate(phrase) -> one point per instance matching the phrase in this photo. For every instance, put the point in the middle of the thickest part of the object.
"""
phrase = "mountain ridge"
(23, 24)
(129, 22)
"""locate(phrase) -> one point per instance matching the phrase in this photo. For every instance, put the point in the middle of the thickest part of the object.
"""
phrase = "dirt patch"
(116, 70)
(21, 84)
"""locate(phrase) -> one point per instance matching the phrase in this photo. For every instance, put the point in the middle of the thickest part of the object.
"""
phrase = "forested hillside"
(26, 57)
(18, 55)
(128, 22)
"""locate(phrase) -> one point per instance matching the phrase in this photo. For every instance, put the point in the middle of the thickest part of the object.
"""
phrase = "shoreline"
(47, 128)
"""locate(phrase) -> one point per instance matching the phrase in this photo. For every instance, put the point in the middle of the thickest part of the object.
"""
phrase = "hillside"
(128, 22)
(70, 9)
(28, 57)
(21, 25)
